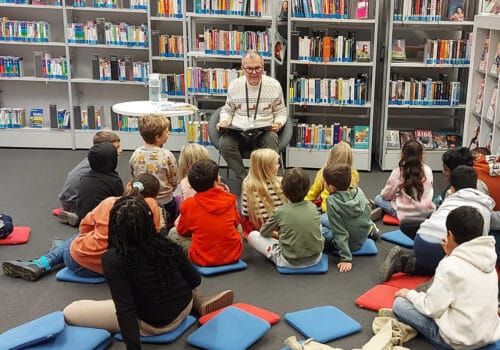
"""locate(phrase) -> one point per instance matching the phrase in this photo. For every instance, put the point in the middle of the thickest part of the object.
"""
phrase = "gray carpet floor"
(29, 183)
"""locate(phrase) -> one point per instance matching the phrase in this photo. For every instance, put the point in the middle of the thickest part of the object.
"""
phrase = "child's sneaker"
(374, 233)
(27, 270)
(216, 302)
(68, 218)
(385, 312)
(376, 214)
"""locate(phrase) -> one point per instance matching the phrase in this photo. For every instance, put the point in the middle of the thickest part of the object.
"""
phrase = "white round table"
(141, 108)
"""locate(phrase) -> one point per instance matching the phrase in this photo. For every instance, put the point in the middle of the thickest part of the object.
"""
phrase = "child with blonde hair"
(261, 189)
(190, 154)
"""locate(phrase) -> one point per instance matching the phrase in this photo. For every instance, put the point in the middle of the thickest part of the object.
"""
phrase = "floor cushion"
(398, 237)
(77, 338)
(231, 329)
(390, 220)
(20, 235)
(264, 314)
(67, 275)
(57, 211)
(323, 323)
(215, 270)
(368, 248)
(402, 280)
(380, 296)
(320, 267)
(166, 337)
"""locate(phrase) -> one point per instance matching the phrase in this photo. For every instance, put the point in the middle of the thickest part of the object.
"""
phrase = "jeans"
(385, 205)
(427, 256)
(405, 312)
(62, 255)
(324, 220)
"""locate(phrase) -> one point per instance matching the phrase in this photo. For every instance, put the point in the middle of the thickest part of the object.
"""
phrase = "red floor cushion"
(20, 235)
(57, 211)
(380, 296)
(390, 220)
(264, 314)
(402, 280)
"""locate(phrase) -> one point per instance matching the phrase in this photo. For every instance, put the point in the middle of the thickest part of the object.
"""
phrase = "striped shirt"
(262, 209)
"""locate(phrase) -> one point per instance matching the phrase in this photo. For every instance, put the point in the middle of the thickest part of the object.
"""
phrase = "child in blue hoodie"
(348, 213)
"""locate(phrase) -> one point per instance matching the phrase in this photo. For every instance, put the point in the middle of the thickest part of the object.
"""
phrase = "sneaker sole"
(376, 214)
(63, 218)
(16, 271)
(388, 262)
(219, 301)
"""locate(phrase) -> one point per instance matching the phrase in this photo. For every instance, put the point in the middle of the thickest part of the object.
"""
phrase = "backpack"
(6, 226)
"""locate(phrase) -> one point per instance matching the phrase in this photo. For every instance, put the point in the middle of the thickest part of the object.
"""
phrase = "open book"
(248, 128)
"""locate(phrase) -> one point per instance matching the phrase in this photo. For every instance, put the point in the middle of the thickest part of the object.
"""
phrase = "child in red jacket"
(208, 221)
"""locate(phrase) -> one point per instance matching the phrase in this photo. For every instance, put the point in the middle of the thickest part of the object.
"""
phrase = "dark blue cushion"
(320, 267)
(166, 337)
(214, 270)
(77, 338)
(39, 330)
(232, 329)
(323, 323)
(398, 237)
(67, 275)
(368, 248)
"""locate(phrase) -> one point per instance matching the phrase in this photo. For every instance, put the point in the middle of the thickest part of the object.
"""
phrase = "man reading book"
(254, 99)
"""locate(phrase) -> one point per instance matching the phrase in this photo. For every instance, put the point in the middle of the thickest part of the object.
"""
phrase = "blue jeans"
(406, 313)
(62, 255)
(427, 256)
(385, 205)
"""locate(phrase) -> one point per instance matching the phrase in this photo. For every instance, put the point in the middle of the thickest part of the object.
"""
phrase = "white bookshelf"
(485, 26)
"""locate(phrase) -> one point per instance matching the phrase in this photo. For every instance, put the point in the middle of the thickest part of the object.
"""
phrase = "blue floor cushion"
(398, 237)
(214, 270)
(77, 338)
(232, 329)
(368, 248)
(320, 267)
(323, 323)
(67, 275)
(166, 337)
(39, 330)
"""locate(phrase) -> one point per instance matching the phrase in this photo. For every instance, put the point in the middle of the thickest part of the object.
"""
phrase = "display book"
(432, 10)
(323, 136)
(429, 139)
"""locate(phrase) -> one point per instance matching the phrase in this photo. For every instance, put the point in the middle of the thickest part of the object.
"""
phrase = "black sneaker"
(23, 269)
(392, 264)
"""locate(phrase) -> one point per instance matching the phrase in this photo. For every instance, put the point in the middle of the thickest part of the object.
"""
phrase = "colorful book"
(36, 118)
(398, 50)
(495, 65)
(405, 136)
(392, 139)
(492, 107)
(454, 140)
(457, 10)
(363, 51)
(424, 137)
(362, 9)
(478, 106)
(483, 59)
(361, 136)
(439, 140)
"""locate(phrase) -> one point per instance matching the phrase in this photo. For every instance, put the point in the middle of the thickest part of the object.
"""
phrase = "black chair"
(285, 136)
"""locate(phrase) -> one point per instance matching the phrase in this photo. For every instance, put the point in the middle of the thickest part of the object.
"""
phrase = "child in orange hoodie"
(207, 225)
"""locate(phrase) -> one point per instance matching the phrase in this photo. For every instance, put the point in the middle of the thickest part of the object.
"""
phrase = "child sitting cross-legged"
(459, 310)
(348, 214)
(208, 220)
(292, 236)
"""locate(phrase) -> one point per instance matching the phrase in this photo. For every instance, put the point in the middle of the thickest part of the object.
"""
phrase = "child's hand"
(402, 292)
(344, 266)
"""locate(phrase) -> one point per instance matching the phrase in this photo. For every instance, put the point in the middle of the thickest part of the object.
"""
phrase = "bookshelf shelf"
(210, 18)
(31, 7)
(35, 138)
(162, 58)
(356, 23)
(208, 56)
(28, 43)
(107, 47)
(35, 79)
(166, 19)
(493, 76)
(331, 105)
(353, 64)
(108, 82)
(403, 80)
(104, 9)
(480, 71)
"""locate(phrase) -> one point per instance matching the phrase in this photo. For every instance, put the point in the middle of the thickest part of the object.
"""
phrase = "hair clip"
(138, 186)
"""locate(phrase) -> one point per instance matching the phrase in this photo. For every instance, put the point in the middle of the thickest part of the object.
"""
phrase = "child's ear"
(452, 189)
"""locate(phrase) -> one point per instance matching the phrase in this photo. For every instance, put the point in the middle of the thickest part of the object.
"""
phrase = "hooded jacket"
(101, 181)
(462, 300)
(211, 218)
(434, 228)
(349, 217)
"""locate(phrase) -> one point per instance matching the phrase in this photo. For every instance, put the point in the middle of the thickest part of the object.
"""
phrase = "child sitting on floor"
(348, 214)
(298, 242)
(208, 221)
(83, 251)
(261, 189)
(189, 155)
(153, 159)
(408, 191)
(459, 310)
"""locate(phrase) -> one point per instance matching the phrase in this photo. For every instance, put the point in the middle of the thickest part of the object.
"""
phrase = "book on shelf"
(457, 10)
(439, 140)
(474, 141)
(392, 139)
(361, 9)
(424, 137)
(483, 59)
(491, 6)
(478, 106)
(363, 51)
(279, 48)
(36, 118)
(398, 50)
(454, 140)
(489, 140)
(283, 10)
(492, 106)
(405, 136)
(495, 65)
(361, 136)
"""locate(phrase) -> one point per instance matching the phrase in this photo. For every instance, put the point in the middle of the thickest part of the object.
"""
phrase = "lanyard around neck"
(256, 104)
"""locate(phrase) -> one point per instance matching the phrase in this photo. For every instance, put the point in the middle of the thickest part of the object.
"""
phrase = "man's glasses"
(253, 69)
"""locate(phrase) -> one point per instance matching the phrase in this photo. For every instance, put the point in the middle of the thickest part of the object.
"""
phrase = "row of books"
(32, 2)
(50, 68)
(171, 46)
(330, 8)
(197, 131)
(235, 7)
(11, 66)
(210, 80)
(120, 69)
(172, 84)
(447, 51)
(24, 31)
(12, 118)
(112, 4)
(233, 42)
(483, 59)
(131, 124)
(430, 10)
(15, 118)
(102, 32)
(424, 92)
(170, 8)
(319, 136)
(430, 140)
(352, 91)
(332, 49)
